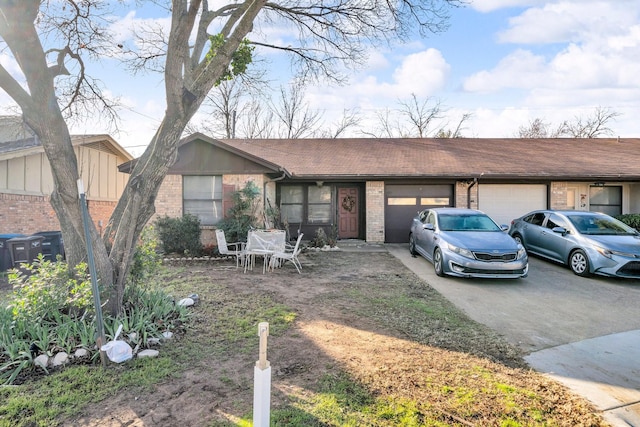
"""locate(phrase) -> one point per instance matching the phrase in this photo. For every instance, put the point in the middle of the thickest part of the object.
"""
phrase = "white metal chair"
(289, 254)
(223, 248)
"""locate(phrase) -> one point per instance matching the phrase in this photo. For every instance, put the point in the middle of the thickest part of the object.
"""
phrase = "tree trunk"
(42, 113)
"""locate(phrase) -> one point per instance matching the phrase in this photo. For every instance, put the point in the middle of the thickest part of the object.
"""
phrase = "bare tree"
(203, 46)
(386, 126)
(420, 114)
(593, 126)
(457, 131)
(232, 99)
(415, 118)
(349, 119)
(538, 128)
(295, 118)
(257, 121)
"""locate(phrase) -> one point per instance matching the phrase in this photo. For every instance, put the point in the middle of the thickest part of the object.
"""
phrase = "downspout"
(475, 181)
(264, 192)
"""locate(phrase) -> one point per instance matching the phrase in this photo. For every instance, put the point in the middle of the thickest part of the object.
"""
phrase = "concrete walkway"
(604, 370)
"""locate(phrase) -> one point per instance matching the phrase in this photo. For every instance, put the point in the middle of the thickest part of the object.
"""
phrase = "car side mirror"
(560, 230)
(428, 226)
(504, 227)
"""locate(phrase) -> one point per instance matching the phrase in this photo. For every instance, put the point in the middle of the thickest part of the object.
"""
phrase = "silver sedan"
(466, 243)
(588, 242)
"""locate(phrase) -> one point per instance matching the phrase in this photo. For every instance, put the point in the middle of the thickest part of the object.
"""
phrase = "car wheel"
(437, 262)
(412, 245)
(518, 239)
(579, 263)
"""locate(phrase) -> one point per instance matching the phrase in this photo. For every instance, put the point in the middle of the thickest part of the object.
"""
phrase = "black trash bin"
(5, 252)
(53, 245)
(24, 249)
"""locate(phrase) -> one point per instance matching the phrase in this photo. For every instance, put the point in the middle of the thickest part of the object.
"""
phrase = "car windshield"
(450, 222)
(601, 225)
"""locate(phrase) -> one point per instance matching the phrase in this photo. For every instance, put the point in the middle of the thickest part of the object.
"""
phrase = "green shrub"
(146, 259)
(50, 289)
(242, 216)
(632, 220)
(180, 235)
(320, 240)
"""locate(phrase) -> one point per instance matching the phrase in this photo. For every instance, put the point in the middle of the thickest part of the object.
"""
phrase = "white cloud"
(491, 5)
(422, 73)
(570, 21)
(575, 45)
(520, 69)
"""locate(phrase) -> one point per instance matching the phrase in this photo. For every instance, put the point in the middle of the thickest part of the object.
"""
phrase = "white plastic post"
(262, 382)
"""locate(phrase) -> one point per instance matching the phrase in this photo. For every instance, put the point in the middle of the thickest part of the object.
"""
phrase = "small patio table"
(263, 243)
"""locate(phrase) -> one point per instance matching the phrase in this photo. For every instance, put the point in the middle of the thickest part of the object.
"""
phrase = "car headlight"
(609, 253)
(461, 251)
(521, 252)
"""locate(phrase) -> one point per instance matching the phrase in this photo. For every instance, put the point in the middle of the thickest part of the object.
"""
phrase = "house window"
(202, 197)
(607, 200)
(292, 203)
(306, 204)
(319, 205)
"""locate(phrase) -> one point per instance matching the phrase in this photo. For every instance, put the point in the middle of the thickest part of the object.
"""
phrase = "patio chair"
(223, 248)
(289, 254)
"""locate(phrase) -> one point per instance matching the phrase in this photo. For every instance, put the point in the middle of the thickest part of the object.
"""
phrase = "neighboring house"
(26, 182)
(371, 188)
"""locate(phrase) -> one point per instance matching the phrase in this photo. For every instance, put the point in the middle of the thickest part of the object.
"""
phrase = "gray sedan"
(466, 243)
(588, 242)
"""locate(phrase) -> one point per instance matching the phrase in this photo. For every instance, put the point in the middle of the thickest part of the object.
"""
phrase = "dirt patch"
(346, 324)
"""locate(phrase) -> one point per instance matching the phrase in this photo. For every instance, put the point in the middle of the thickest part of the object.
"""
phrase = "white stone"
(81, 352)
(167, 335)
(153, 341)
(186, 302)
(42, 361)
(133, 336)
(148, 353)
(60, 359)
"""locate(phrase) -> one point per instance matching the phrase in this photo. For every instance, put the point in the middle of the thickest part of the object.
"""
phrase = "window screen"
(291, 203)
(319, 204)
(202, 197)
(607, 200)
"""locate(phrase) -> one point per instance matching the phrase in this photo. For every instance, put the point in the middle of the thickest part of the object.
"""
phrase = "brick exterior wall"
(24, 214)
(463, 194)
(169, 199)
(374, 195)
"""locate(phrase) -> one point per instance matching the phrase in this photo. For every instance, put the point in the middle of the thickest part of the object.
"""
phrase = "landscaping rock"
(81, 352)
(148, 353)
(186, 302)
(60, 359)
(41, 361)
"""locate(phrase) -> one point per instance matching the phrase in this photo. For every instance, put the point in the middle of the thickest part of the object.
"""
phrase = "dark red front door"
(348, 213)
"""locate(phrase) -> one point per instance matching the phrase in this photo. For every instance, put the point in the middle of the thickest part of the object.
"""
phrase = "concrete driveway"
(584, 332)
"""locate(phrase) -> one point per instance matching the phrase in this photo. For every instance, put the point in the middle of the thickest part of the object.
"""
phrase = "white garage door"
(506, 202)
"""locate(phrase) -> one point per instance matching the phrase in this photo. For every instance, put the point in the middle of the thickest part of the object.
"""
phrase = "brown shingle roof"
(565, 158)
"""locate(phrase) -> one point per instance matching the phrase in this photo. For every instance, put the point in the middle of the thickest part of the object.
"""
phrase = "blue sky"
(506, 62)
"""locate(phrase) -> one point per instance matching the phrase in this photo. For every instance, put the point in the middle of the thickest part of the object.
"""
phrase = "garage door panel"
(506, 202)
(403, 202)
